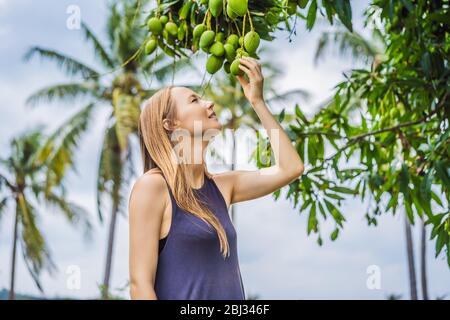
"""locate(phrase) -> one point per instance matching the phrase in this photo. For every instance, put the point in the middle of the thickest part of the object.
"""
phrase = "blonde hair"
(157, 150)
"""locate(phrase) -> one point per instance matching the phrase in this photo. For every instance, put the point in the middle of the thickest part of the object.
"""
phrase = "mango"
(215, 7)
(239, 7)
(230, 13)
(233, 39)
(234, 68)
(168, 37)
(220, 36)
(207, 39)
(163, 19)
(150, 46)
(230, 52)
(251, 41)
(213, 64)
(241, 53)
(154, 25)
(217, 49)
(171, 28)
(198, 30)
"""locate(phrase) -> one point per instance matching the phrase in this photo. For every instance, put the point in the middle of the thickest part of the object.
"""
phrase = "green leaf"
(344, 12)
(311, 17)
(343, 190)
(335, 234)
(312, 220)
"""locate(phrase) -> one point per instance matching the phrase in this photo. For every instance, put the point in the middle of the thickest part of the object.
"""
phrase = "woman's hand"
(253, 89)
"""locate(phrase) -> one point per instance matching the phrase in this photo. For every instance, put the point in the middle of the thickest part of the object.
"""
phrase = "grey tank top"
(190, 264)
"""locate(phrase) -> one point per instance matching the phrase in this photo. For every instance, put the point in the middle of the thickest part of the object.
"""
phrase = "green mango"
(154, 25)
(230, 13)
(220, 36)
(251, 41)
(233, 39)
(241, 53)
(171, 28)
(213, 64)
(230, 52)
(239, 7)
(207, 39)
(168, 37)
(234, 68)
(198, 30)
(164, 19)
(217, 49)
(150, 46)
(215, 7)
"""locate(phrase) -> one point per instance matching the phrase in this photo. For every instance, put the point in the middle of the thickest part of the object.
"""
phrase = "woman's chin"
(216, 123)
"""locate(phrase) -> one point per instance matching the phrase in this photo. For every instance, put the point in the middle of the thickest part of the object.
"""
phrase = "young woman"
(182, 241)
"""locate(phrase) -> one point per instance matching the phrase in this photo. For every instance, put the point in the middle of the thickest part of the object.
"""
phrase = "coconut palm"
(235, 111)
(121, 84)
(32, 175)
(371, 51)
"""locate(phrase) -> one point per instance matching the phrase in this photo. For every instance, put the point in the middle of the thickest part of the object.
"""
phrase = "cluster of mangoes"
(187, 25)
(180, 29)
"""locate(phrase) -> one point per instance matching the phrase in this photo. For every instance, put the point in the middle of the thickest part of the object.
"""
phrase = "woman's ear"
(168, 125)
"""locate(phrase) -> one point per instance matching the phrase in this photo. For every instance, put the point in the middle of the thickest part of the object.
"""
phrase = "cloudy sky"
(278, 260)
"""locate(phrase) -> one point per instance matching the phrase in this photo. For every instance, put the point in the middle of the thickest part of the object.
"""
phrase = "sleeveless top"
(190, 263)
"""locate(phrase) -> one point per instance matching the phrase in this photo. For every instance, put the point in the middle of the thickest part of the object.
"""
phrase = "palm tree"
(236, 112)
(31, 175)
(120, 86)
(371, 51)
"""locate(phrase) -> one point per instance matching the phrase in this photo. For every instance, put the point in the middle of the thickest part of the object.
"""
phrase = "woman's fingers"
(253, 65)
(246, 69)
(250, 66)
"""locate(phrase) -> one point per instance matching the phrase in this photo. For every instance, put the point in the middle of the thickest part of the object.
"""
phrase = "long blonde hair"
(157, 150)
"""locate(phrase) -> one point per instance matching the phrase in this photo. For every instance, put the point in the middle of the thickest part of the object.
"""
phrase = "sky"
(277, 259)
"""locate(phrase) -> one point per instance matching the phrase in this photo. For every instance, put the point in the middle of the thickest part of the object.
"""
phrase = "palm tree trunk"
(12, 293)
(109, 253)
(423, 254)
(233, 161)
(410, 254)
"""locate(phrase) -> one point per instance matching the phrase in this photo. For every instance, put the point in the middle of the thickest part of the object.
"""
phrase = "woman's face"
(193, 113)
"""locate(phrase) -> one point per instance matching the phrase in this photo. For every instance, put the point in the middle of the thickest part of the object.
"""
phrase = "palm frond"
(99, 49)
(69, 65)
(63, 92)
(75, 214)
(58, 151)
(35, 251)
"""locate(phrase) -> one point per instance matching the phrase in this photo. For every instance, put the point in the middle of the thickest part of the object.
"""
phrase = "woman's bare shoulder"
(149, 190)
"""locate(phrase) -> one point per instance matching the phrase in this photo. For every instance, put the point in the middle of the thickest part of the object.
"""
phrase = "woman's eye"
(195, 99)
